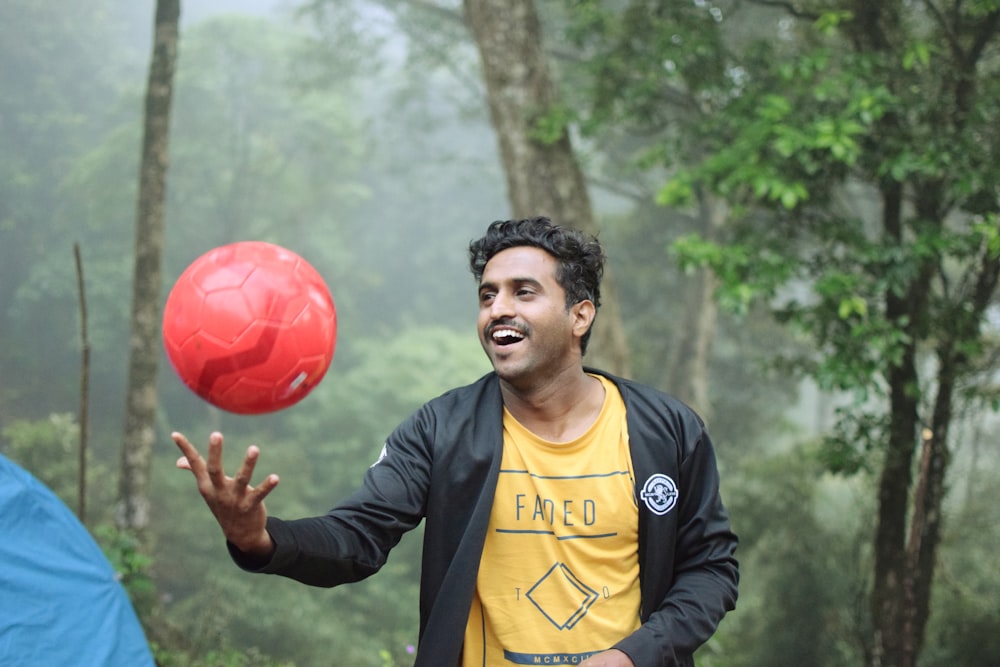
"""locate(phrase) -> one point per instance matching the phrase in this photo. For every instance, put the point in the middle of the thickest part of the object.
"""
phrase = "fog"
(360, 138)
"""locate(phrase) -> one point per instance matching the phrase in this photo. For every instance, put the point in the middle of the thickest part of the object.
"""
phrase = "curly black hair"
(579, 256)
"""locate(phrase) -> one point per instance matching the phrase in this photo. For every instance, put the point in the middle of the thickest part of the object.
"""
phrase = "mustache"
(506, 323)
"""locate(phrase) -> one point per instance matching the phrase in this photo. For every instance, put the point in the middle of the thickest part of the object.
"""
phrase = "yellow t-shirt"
(559, 575)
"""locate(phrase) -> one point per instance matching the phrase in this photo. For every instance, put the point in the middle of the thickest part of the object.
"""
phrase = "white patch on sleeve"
(382, 455)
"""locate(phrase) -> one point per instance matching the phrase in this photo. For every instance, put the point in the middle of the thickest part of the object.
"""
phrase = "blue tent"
(60, 601)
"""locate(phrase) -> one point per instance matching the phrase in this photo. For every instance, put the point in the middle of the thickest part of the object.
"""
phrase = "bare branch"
(83, 419)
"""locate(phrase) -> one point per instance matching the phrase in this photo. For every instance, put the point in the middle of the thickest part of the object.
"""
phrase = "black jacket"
(442, 464)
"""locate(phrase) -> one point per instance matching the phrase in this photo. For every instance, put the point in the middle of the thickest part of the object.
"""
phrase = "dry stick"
(81, 501)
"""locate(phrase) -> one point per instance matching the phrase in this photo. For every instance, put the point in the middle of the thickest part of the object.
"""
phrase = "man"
(571, 517)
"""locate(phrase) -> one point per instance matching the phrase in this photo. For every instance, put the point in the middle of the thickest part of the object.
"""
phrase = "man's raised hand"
(236, 505)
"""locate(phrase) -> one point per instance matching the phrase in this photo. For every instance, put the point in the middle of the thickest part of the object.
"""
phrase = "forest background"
(728, 154)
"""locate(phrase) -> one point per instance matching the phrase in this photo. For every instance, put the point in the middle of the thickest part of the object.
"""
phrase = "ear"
(583, 313)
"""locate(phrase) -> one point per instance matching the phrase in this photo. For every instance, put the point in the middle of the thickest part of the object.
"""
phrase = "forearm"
(686, 618)
(316, 551)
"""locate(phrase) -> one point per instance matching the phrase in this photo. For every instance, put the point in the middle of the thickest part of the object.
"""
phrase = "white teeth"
(506, 333)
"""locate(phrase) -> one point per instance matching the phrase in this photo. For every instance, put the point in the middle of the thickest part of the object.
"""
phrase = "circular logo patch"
(659, 493)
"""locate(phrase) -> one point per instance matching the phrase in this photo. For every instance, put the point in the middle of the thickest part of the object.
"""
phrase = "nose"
(501, 306)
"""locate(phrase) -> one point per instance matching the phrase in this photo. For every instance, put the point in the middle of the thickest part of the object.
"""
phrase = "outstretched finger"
(191, 459)
(214, 463)
(259, 492)
(245, 472)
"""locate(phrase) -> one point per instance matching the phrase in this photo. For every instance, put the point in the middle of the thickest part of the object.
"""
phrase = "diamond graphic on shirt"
(561, 597)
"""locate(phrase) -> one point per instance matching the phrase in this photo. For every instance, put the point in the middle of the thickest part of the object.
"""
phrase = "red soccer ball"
(250, 327)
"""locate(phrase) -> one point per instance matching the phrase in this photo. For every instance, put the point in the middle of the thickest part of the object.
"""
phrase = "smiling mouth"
(504, 336)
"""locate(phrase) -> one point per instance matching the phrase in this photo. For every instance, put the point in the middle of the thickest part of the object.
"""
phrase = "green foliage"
(781, 143)
(552, 125)
(803, 130)
(988, 229)
(851, 446)
(124, 553)
(857, 152)
(49, 449)
(747, 273)
(831, 21)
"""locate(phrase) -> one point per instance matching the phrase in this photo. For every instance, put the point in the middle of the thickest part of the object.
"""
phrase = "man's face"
(524, 325)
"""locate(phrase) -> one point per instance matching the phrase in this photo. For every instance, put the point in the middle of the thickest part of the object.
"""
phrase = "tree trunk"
(141, 400)
(890, 590)
(543, 175)
(926, 523)
(687, 367)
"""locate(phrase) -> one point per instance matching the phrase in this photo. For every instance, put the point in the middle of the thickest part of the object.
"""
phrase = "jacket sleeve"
(352, 541)
(698, 575)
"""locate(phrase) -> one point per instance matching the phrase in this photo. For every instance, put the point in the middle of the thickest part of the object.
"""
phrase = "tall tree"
(862, 150)
(141, 399)
(543, 173)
